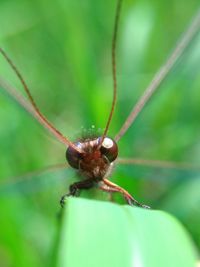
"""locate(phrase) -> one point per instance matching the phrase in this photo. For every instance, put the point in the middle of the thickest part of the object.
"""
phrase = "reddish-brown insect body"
(94, 161)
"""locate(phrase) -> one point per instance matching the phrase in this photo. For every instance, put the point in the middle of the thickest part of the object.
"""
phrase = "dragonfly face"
(94, 161)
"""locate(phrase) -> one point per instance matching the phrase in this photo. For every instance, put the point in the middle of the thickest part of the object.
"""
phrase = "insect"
(94, 157)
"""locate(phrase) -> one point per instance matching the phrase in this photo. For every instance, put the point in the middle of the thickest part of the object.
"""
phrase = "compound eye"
(109, 148)
(73, 156)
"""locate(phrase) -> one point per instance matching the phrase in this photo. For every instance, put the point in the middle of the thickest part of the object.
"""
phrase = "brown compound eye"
(109, 148)
(73, 156)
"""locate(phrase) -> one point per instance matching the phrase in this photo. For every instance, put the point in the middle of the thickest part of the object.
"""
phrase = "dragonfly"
(103, 141)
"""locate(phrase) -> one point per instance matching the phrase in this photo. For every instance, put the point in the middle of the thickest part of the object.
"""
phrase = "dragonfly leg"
(110, 187)
(75, 188)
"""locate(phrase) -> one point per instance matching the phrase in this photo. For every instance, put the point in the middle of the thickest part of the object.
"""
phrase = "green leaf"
(95, 233)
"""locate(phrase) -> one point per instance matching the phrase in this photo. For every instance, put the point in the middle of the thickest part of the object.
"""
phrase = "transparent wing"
(159, 164)
(58, 174)
(48, 177)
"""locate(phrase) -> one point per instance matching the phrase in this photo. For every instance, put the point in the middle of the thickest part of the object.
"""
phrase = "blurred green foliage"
(127, 236)
(63, 49)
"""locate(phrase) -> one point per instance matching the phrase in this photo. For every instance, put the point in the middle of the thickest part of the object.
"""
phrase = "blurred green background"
(63, 50)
